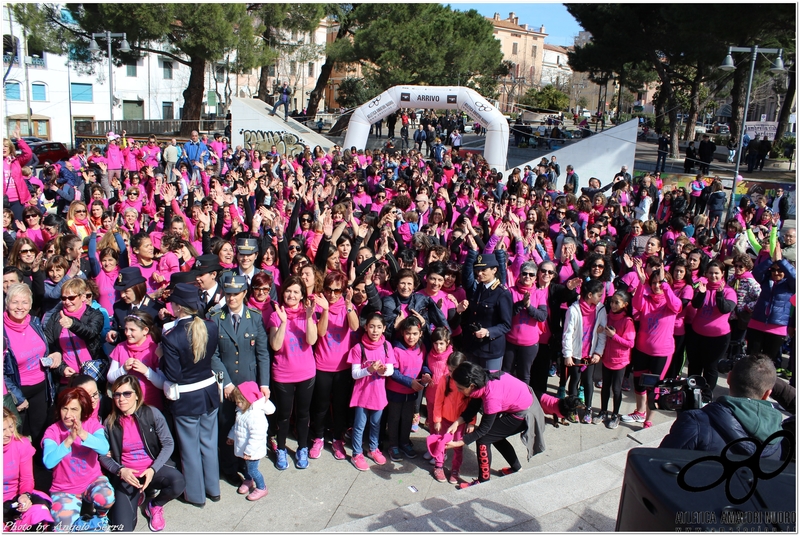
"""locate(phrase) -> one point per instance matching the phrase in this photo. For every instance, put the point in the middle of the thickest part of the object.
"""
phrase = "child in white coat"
(248, 435)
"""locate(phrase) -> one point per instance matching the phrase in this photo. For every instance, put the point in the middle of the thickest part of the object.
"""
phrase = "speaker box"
(652, 500)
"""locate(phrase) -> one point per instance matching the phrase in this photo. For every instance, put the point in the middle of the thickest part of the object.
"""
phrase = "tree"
(352, 92)
(547, 98)
(189, 34)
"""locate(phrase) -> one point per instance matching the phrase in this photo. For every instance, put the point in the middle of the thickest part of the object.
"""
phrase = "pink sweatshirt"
(709, 321)
(525, 330)
(409, 362)
(370, 392)
(506, 394)
(114, 156)
(17, 468)
(657, 314)
(28, 348)
(294, 361)
(619, 346)
(684, 292)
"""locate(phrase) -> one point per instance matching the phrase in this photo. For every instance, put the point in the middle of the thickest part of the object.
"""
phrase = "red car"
(49, 151)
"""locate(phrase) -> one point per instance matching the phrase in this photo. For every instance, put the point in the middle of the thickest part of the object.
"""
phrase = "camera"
(726, 364)
(677, 394)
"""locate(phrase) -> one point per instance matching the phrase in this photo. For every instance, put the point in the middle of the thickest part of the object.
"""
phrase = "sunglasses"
(334, 290)
(402, 191)
(602, 266)
(527, 274)
(593, 233)
(26, 251)
(546, 272)
(305, 220)
(262, 289)
(127, 394)
(561, 212)
(80, 211)
(775, 271)
(32, 215)
(70, 298)
(295, 248)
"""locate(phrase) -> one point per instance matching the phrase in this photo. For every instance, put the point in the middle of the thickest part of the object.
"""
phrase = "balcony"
(34, 61)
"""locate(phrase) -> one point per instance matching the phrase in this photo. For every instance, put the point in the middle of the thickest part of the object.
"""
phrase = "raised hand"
(281, 313)
(64, 320)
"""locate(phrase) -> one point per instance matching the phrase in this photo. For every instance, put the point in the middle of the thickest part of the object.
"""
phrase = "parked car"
(721, 129)
(49, 151)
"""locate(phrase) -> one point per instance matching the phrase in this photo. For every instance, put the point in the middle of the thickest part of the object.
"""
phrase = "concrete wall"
(601, 155)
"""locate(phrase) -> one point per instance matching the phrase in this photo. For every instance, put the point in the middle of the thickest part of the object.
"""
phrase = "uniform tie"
(204, 296)
(236, 320)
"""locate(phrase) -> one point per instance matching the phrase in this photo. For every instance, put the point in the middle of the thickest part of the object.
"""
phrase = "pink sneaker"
(359, 462)
(246, 487)
(155, 517)
(316, 448)
(338, 450)
(438, 474)
(257, 494)
(647, 425)
(377, 456)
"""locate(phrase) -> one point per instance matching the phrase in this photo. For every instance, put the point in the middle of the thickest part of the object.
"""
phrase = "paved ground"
(573, 486)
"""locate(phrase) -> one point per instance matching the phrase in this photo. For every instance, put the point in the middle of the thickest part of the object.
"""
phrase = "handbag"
(97, 369)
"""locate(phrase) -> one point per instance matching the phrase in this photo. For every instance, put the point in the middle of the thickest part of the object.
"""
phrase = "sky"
(558, 23)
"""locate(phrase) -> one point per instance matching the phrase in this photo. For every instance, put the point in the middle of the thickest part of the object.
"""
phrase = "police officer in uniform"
(208, 270)
(246, 253)
(488, 317)
(242, 354)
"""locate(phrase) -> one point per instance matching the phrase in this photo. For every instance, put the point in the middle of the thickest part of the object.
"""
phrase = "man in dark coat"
(706, 150)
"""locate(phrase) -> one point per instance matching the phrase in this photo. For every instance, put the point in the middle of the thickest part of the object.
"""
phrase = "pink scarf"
(14, 325)
(74, 349)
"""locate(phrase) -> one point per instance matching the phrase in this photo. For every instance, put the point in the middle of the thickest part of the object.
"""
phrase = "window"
(167, 111)
(13, 91)
(270, 71)
(310, 69)
(292, 68)
(10, 45)
(220, 73)
(82, 93)
(212, 98)
(38, 92)
(167, 70)
(535, 51)
(515, 48)
(131, 70)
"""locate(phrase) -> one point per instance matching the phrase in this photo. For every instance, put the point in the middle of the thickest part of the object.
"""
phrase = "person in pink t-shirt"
(371, 360)
(620, 335)
(333, 388)
(292, 333)
(529, 310)
(71, 449)
(33, 507)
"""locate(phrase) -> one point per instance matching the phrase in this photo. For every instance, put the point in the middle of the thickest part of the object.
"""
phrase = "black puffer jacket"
(88, 328)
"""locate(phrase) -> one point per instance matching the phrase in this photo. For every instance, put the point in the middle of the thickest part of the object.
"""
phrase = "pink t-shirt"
(524, 330)
(370, 392)
(147, 273)
(17, 468)
(409, 363)
(330, 351)
(80, 466)
(105, 283)
(589, 320)
(655, 335)
(28, 348)
(618, 347)
(709, 321)
(778, 330)
(686, 292)
(145, 352)
(506, 394)
(294, 361)
(134, 455)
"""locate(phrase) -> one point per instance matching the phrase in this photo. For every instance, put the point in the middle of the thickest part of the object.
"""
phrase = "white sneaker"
(427, 456)
(634, 416)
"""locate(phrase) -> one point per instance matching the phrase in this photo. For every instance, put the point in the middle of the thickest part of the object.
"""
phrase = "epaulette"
(254, 310)
(495, 284)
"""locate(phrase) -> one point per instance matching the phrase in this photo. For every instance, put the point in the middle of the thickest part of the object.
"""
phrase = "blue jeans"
(255, 474)
(358, 427)
(661, 161)
(285, 104)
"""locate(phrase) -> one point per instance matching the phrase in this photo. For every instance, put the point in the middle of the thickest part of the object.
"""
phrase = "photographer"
(744, 413)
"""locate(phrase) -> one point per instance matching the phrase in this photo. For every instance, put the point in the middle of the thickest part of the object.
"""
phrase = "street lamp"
(728, 65)
(94, 49)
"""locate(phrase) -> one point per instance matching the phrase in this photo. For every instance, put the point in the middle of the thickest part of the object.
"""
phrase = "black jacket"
(88, 328)
(157, 439)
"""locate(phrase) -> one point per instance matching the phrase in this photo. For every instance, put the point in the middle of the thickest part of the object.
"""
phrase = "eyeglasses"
(334, 290)
(262, 289)
(94, 395)
(295, 248)
(527, 274)
(26, 251)
(546, 272)
(80, 211)
(66, 298)
(126, 394)
(601, 266)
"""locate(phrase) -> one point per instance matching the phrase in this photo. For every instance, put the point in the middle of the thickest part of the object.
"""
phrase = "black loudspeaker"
(653, 500)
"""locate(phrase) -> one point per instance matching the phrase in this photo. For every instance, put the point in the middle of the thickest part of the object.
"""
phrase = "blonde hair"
(76, 285)
(8, 415)
(74, 206)
(16, 289)
(197, 333)
(238, 397)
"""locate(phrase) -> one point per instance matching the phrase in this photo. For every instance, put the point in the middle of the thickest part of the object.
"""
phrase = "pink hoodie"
(657, 314)
(617, 347)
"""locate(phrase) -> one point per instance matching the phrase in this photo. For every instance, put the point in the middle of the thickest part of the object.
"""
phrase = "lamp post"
(94, 49)
(728, 65)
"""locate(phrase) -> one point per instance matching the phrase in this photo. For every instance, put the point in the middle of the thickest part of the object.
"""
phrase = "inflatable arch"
(436, 97)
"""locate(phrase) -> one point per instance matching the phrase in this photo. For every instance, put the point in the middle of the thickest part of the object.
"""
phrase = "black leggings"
(584, 378)
(504, 426)
(400, 419)
(539, 374)
(763, 342)
(331, 395)
(34, 418)
(518, 360)
(125, 511)
(611, 382)
(678, 359)
(704, 353)
(286, 397)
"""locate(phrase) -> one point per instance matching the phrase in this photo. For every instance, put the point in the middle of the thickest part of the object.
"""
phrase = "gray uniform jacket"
(243, 355)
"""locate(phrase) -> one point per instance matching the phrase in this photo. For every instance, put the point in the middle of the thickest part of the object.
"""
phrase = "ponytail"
(197, 333)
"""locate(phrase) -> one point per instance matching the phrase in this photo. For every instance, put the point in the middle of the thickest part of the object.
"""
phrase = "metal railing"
(144, 127)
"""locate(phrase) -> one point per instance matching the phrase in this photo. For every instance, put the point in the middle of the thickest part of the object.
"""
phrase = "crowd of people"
(171, 321)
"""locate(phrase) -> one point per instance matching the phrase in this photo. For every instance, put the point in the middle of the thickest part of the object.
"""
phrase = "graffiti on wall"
(286, 142)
